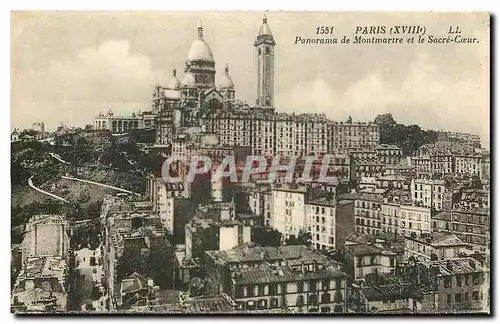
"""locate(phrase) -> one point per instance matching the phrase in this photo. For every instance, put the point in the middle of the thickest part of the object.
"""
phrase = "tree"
(265, 236)
(409, 138)
(303, 238)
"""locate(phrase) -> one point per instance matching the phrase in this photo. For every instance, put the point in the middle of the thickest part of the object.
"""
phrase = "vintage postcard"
(318, 163)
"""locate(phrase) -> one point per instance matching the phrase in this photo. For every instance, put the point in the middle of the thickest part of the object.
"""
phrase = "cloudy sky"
(67, 67)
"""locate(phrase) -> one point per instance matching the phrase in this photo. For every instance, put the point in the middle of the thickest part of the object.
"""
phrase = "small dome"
(226, 81)
(188, 80)
(200, 51)
(174, 83)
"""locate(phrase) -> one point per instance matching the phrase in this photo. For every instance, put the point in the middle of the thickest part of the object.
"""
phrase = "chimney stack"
(449, 265)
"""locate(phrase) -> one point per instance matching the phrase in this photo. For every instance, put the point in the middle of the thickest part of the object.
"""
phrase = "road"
(101, 184)
(32, 186)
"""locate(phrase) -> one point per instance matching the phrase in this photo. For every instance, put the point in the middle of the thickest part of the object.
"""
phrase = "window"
(273, 289)
(239, 292)
(467, 280)
(274, 302)
(261, 290)
(251, 305)
(459, 281)
(338, 309)
(458, 298)
(250, 291)
(338, 297)
(466, 296)
(300, 287)
(325, 309)
(325, 285)
(475, 295)
(312, 299)
(313, 285)
(475, 278)
(447, 282)
(448, 299)
(300, 301)
(325, 298)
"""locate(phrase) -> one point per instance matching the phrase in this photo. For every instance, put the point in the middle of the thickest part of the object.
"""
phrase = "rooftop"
(456, 266)
(362, 249)
(387, 147)
(210, 304)
(361, 196)
(397, 291)
(438, 239)
(264, 273)
(323, 201)
(442, 215)
(244, 253)
(133, 283)
(46, 266)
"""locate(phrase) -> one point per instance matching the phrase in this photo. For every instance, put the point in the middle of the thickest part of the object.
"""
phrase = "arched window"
(325, 298)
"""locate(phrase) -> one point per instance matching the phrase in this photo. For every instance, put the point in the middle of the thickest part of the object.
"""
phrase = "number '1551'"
(322, 30)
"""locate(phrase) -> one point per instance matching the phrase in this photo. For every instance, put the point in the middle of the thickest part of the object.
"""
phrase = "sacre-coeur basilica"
(191, 104)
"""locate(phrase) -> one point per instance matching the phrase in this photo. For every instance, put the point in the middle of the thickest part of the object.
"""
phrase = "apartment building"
(289, 209)
(286, 277)
(433, 246)
(461, 284)
(428, 193)
(389, 154)
(472, 225)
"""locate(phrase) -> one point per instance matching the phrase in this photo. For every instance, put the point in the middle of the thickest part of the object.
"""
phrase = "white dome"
(226, 81)
(174, 83)
(188, 80)
(200, 51)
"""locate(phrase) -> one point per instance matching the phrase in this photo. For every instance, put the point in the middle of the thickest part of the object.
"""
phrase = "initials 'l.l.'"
(455, 30)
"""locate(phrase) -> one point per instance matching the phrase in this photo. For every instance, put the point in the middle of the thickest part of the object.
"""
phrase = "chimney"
(449, 265)
(315, 265)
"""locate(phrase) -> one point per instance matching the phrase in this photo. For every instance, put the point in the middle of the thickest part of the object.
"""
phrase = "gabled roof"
(438, 239)
(456, 266)
(133, 283)
(397, 291)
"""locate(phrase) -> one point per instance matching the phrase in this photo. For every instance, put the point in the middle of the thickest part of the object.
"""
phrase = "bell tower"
(264, 47)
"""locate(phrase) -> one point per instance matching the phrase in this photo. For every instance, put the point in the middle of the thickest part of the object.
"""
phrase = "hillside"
(95, 156)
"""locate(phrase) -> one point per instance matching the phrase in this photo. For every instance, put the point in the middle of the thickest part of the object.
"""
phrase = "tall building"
(289, 209)
(428, 193)
(46, 235)
(264, 46)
